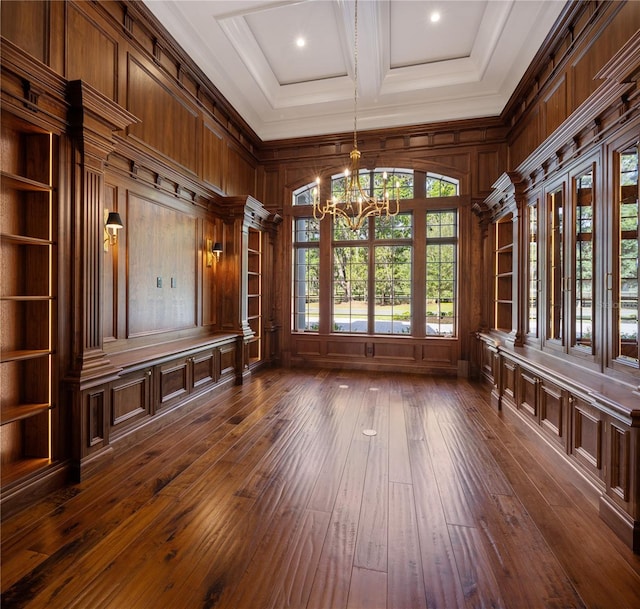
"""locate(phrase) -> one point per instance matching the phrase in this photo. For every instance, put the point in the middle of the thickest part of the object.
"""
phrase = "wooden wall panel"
(241, 175)
(167, 123)
(342, 348)
(488, 171)
(596, 52)
(94, 417)
(395, 351)
(162, 245)
(555, 107)
(307, 347)
(109, 273)
(27, 25)
(91, 53)
(562, 77)
(526, 140)
(273, 191)
(438, 353)
(209, 276)
(212, 156)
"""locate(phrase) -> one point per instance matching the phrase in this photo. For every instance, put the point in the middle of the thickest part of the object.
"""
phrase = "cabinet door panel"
(586, 445)
(173, 381)
(552, 410)
(528, 401)
(509, 381)
(204, 369)
(130, 399)
(620, 465)
(228, 358)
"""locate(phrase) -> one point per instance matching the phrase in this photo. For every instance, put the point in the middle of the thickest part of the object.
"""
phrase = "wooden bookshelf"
(503, 274)
(254, 294)
(27, 298)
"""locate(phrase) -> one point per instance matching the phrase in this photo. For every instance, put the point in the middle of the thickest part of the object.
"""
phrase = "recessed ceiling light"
(435, 17)
(301, 41)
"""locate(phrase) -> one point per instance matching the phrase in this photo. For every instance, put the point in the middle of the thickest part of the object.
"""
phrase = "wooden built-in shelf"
(503, 274)
(28, 216)
(25, 298)
(24, 240)
(22, 354)
(18, 182)
(22, 411)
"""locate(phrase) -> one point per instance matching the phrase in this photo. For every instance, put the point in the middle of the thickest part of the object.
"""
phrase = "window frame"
(581, 350)
(618, 362)
(418, 207)
(370, 243)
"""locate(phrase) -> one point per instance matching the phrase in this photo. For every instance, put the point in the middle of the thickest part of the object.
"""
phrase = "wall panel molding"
(153, 101)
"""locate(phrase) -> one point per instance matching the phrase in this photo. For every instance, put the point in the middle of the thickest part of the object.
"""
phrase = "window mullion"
(371, 275)
(419, 272)
(326, 277)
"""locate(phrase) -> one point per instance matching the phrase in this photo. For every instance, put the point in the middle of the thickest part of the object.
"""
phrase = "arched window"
(304, 194)
(372, 181)
(371, 273)
(441, 186)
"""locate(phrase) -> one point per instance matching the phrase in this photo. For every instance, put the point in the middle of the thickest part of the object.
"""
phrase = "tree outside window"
(626, 307)
(441, 266)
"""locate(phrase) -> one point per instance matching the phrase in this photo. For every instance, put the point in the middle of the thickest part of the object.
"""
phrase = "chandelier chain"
(355, 78)
(355, 203)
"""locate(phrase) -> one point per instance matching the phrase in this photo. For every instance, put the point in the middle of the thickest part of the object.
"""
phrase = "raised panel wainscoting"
(590, 420)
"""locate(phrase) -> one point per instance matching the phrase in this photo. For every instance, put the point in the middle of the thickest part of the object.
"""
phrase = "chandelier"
(353, 203)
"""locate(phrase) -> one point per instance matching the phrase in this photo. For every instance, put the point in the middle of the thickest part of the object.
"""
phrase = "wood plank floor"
(271, 497)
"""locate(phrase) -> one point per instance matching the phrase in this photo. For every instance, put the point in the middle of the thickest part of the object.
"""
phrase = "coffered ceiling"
(411, 69)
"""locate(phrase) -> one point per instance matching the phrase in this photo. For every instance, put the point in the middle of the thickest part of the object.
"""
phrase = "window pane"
(533, 270)
(441, 271)
(584, 262)
(626, 313)
(341, 232)
(339, 185)
(350, 289)
(306, 230)
(393, 227)
(441, 224)
(304, 195)
(441, 186)
(393, 289)
(555, 272)
(306, 274)
(399, 184)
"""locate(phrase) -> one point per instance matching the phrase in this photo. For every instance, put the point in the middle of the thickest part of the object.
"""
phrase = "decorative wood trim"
(624, 66)
(95, 117)
(238, 128)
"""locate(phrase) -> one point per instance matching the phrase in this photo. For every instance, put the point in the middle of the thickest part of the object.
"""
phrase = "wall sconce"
(211, 250)
(112, 225)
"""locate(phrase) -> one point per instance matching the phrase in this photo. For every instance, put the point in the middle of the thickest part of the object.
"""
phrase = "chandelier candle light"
(354, 204)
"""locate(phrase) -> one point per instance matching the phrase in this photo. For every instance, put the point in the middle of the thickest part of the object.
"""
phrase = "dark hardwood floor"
(271, 496)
